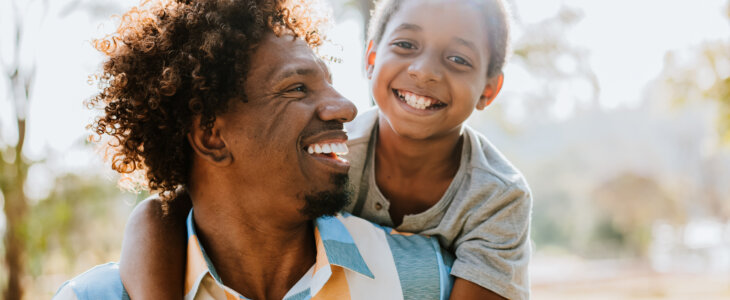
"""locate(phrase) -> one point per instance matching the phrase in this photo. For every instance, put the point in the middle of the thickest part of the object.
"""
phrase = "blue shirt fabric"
(356, 259)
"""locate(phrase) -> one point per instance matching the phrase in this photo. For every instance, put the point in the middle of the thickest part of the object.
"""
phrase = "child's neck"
(408, 157)
(414, 174)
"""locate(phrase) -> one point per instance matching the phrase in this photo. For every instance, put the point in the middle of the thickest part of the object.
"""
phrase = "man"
(219, 98)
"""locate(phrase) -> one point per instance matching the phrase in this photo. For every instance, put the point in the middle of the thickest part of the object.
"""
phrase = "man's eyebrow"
(408, 26)
(290, 72)
(466, 43)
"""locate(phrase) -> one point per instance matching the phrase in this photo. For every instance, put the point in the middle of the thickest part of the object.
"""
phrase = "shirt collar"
(335, 246)
(338, 245)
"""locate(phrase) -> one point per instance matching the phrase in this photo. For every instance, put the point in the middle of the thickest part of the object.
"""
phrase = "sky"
(626, 42)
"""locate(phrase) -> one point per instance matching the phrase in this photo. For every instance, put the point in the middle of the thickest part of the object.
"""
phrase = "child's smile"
(429, 70)
(419, 102)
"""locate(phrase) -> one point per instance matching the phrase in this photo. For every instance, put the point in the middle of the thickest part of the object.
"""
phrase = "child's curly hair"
(170, 61)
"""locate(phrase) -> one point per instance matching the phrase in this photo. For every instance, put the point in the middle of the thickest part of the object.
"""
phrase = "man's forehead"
(280, 57)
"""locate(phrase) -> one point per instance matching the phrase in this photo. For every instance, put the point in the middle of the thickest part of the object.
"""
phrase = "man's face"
(284, 140)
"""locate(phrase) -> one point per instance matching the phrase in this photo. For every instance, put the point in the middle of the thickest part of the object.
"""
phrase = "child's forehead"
(456, 19)
(473, 4)
(465, 12)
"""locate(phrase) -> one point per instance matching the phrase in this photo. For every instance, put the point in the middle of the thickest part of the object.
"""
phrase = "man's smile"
(327, 147)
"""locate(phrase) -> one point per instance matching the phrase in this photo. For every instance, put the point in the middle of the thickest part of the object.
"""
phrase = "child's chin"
(414, 131)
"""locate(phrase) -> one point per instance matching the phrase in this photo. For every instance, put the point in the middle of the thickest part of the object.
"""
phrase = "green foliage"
(63, 223)
(549, 226)
(628, 205)
(720, 92)
(688, 82)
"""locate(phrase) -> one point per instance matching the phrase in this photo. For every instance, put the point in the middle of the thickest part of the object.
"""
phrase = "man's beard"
(328, 203)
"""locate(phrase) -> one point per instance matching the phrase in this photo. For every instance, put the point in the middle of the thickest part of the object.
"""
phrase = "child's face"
(429, 71)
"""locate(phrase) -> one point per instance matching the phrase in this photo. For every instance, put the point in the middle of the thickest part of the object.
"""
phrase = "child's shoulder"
(488, 164)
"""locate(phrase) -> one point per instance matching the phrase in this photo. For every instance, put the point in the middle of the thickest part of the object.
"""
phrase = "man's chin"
(329, 202)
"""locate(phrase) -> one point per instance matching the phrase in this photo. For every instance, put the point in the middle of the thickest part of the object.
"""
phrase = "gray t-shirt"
(483, 217)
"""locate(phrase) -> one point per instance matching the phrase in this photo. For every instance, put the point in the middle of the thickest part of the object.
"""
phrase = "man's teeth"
(414, 100)
(337, 148)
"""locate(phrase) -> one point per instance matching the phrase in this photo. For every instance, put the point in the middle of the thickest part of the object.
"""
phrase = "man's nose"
(425, 69)
(335, 107)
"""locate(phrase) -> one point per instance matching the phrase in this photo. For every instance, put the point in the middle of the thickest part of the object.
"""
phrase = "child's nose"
(425, 69)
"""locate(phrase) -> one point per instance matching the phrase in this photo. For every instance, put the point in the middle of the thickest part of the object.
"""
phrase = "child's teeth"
(415, 101)
(317, 149)
(310, 150)
(326, 148)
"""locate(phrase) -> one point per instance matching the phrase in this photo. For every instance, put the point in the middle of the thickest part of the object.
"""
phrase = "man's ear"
(491, 90)
(209, 144)
(370, 59)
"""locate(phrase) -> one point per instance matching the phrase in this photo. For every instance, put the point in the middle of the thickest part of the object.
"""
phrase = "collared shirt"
(355, 259)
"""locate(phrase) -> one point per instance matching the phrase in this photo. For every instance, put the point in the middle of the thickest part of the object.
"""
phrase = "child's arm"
(152, 264)
(493, 250)
(464, 289)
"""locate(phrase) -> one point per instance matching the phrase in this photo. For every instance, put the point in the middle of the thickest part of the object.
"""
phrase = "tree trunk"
(15, 210)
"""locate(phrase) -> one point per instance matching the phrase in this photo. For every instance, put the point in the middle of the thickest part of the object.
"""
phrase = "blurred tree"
(14, 166)
(75, 227)
(543, 50)
(707, 77)
(690, 78)
(629, 204)
(19, 70)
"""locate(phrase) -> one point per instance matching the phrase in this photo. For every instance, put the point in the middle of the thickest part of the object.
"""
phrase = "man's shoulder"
(100, 282)
(416, 263)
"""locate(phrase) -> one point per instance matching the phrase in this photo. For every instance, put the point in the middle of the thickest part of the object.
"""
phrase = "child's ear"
(494, 85)
(370, 59)
(209, 143)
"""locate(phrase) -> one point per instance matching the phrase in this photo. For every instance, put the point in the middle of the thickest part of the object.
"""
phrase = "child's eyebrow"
(466, 43)
(408, 26)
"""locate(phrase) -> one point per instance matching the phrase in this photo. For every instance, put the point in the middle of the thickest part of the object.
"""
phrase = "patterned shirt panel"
(355, 259)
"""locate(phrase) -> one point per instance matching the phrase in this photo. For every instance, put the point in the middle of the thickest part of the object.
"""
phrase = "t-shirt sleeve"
(494, 248)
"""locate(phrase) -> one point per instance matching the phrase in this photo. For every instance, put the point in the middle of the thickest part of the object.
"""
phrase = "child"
(415, 165)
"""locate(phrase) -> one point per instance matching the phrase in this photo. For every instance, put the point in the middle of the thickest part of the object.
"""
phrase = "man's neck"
(253, 253)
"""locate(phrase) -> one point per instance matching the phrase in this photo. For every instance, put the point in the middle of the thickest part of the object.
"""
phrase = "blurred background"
(617, 112)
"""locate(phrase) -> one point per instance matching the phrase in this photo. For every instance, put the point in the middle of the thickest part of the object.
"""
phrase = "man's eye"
(404, 45)
(459, 60)
(298, 88)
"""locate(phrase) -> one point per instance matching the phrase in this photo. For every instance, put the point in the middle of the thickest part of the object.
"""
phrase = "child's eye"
(459, 60)
(405, 45)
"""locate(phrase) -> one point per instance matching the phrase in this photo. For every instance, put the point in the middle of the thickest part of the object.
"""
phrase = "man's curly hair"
(170, 61)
